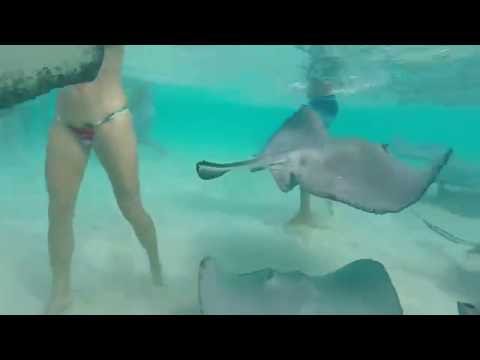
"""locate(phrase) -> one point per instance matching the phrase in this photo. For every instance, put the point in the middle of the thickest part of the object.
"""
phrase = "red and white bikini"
(86, 134)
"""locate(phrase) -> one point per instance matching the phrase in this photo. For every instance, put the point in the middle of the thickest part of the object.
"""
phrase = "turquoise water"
(195, 119)
(238, 219)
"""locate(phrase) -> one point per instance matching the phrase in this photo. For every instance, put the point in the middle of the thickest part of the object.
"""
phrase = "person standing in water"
(322, 100)
(96, 116)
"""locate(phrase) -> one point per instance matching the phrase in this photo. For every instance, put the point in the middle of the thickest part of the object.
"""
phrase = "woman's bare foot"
(305, 219)
(58, 305)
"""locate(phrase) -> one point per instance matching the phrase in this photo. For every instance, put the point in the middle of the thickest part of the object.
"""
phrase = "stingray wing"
(362, 287)
(304, 129)
(467, 309)
(365, 176)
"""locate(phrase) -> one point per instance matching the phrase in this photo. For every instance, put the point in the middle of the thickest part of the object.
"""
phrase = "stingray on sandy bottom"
(351, 171)
(28, 71)
(467, 309)
(362, 287)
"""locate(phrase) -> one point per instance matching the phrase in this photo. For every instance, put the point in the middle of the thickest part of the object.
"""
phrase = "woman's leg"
(65, 166)
(305, 215)
(116, 148)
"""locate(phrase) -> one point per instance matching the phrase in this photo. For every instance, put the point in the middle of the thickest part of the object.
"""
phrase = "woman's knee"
(61, 209)
(131, 207)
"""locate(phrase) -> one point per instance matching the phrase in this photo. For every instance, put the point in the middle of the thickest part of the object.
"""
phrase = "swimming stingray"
(351, 171)
(362, 287)
(28, 71)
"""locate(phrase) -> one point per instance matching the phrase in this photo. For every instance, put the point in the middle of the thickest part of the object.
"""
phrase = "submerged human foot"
(306, 219)
(59, 304)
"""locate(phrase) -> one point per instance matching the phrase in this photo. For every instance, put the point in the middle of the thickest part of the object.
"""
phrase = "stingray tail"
(208, 170)
(440, 164)
(432, 174)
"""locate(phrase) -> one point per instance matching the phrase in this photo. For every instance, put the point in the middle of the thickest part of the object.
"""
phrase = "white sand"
(239, 220)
